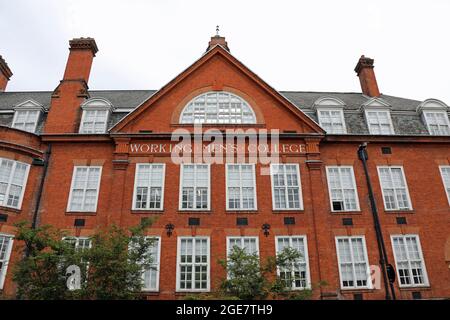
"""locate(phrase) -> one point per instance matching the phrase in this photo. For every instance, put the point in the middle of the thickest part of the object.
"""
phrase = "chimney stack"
(82, 53)
(65, 113)
(364, 70)
(5, 74)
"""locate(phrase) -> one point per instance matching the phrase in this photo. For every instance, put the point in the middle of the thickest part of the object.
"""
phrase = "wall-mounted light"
(266, 228)
(169, 229)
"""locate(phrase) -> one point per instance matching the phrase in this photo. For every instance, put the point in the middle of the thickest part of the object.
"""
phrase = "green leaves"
(109, 270)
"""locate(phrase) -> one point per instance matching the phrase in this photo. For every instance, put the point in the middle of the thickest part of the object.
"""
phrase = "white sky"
(292, 45)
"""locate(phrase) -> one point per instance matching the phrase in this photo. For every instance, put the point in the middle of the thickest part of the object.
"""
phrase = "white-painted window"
(6, 242)
(379, 122)
(13, 179)
(94, 121)
(26, 120)
(409, 261)
(437, 122)
(353, 263)
(249, 244)
(241, 187)
(85, 188)
(342, 188)
(445, 174)
(298, 275)
(218, 107)
(332, 120)
(149, 186)
(193, 264)
(79, 243)
(286, 187)
(394, 189)
(195, 187)
(151, 273)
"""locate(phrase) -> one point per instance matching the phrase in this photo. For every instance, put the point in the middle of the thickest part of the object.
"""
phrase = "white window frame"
(242, 239)
(328, 109)
(240, 188)
(395, 193)
(208, 269)
(84, 194)
(27, 110)
(195, 103)
(8, 188)
(340, 181)
(4, 268)
(181, 185)
(96, 109)
(133, 205)
(306, 257)
(391, 125)
(369, 279)
(156, 264)
(446, 186)
(424, 115)
(77, 241)
(299, 187)
(419, 246)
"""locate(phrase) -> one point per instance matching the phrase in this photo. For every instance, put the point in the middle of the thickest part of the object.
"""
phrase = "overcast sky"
(292, 45)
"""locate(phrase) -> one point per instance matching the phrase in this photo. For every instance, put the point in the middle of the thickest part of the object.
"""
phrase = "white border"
(180, 191)
(425, 273)
(354, 187)
(300, 189)
(208, 283)
(406, 187)
(71, 188)
(133, 202)
(8, 255)
(306, 257)
(240, 186)
(369, 279)
(424, 117)
(158, 268)
(443, 182)
(336, 108)
(24, 185)
(379, 110)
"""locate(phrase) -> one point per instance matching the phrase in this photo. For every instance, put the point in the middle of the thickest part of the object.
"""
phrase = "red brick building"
(79, 159)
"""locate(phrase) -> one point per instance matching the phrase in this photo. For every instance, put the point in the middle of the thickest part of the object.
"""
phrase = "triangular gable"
(29, 104)
(217, 50)
(376, 103)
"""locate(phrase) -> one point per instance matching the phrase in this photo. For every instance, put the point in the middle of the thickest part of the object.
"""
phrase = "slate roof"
(404, 116)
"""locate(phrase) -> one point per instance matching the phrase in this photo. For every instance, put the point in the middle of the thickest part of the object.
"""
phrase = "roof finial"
(217, 31)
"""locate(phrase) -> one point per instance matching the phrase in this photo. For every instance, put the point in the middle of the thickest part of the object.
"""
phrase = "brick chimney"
(82, 53)
(65, 113)
(364, 70)
(5, 74)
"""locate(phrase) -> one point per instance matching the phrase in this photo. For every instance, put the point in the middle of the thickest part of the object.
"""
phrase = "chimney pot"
(366, 74)
(5, 74)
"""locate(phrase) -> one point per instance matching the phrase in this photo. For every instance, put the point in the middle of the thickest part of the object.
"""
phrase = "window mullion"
(241, 194)
(85, 188)
(8, 187)
(286, 197)
(394, 189)
(194, 187)
(352, 261)
(408, 258)
(149, 186)
(341, 188)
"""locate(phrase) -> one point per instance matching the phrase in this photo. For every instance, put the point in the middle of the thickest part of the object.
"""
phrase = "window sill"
(399, 211)
(80, 213)
(356, 290)
(241, 211)
(10, 210)
(194, 211)
(338, 213)
(424, 287)
(183, 293)
(147, 211)
(293, 211)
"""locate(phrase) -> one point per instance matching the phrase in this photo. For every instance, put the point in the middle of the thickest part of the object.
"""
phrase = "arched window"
(96, 112)
(217, 107)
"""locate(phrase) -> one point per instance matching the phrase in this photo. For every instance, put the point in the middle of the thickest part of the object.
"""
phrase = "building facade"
(80, 159)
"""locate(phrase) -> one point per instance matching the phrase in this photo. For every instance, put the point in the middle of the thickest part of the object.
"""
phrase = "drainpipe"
(41, 186)
(363, 156)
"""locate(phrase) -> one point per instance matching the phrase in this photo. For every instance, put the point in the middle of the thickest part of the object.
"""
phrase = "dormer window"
(218, 107)
(378, 116)
(434, 114)
(330, 112)
(95, 116)
(26, 116)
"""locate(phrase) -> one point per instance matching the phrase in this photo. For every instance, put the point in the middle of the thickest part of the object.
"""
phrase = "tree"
(247, 278)
(111, 269)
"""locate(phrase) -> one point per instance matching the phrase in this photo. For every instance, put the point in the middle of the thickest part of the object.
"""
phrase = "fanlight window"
(217, 107)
